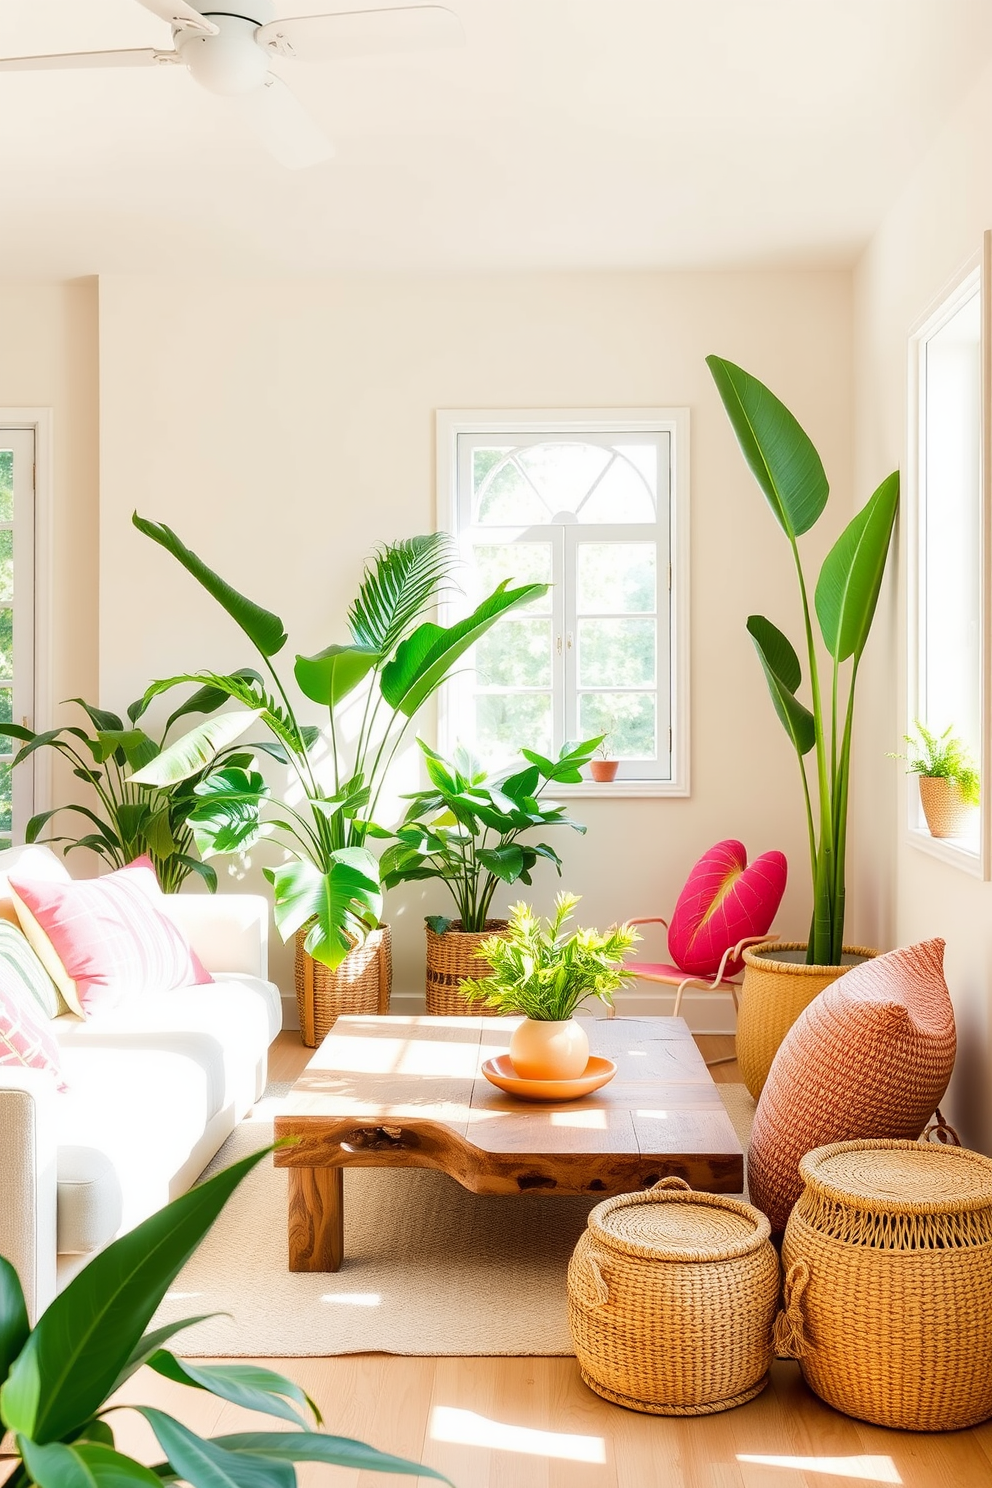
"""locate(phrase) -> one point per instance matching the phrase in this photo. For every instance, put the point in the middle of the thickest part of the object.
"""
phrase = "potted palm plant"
(467, 830)
(778, 984)
(949, 781)
(124, 820)
(58, 1378)
(545, 975)
(328, 894)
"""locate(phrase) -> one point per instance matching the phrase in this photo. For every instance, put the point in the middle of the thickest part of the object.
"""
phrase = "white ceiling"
(567, 134)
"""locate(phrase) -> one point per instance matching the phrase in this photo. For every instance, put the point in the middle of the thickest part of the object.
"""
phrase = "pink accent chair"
(725, 906)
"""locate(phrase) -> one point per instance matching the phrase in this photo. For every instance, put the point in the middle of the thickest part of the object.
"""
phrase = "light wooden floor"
(531, 1423)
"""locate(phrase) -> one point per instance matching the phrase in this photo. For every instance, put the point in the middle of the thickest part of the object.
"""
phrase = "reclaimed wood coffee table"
(409, 1092)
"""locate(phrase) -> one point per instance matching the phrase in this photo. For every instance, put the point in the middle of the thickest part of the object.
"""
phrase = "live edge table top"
(409, 1092)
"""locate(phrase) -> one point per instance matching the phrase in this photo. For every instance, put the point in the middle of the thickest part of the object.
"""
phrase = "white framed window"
(948, 548)
(594, 503)
(17, 621)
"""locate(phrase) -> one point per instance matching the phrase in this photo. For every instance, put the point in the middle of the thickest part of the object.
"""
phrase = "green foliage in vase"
(544, 974)
(789, 472)
(942, 757)
(57, 1379)
(466, 829)
(393, 662)
(125, 819)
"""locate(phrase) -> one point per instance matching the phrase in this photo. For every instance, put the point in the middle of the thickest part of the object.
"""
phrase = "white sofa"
(156, 1085)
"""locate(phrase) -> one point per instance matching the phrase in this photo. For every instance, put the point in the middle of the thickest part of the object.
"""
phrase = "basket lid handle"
(670, 1183)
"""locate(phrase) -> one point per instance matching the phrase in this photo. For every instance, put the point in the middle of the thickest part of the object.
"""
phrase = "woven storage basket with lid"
(361, 984)
(671, 1301)
(451, 958)
(888, 1293)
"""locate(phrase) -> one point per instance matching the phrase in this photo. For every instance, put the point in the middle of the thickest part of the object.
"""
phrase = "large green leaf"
(14, 1325)
(85, 1465)
(84, 1339)
(780, 453)
(204, 1464)
(344, 903)
(227, 817)
(132, 747)
(243, 1384)
(100, 718)
(402, 584)
(206, 699)
(150, 1343)
(783, 674)
(197, 749)
(425, 658)
(315, 1446)
(851, 576)
(264, 629)
(332, 673)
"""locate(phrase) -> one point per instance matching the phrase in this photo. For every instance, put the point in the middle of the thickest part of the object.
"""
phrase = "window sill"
(627, 789)
(960, 852)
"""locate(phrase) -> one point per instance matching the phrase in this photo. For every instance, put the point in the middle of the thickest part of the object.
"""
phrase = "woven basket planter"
(888, 1294)
(450, 959)
(671, 1301)
(944, 806)
(361, 984)
(775, 990)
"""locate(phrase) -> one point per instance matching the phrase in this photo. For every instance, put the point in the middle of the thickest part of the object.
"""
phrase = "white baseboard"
(704, 1012)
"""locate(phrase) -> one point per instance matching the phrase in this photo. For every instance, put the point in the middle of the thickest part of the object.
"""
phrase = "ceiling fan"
(228, 51)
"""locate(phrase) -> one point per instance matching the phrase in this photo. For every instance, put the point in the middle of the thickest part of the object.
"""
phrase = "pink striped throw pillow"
(26, 1037)
(102, 938)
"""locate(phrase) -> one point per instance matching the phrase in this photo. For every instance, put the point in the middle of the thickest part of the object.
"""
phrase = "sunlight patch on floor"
(353, 1299)
(467, 1429)
(861, 1469)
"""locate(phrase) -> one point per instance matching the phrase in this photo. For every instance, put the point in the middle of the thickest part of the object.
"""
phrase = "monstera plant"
(393, 662)
(791, 476)
(57, 1379)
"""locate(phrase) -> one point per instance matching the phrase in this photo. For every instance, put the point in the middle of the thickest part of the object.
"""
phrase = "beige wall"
(48, 359)
(285, 428)
(902, 894)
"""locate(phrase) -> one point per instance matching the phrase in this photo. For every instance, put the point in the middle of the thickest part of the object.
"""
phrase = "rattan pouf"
(671, 1301)
(888, 1293)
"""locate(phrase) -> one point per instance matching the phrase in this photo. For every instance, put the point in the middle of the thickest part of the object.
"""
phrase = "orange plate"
(500, 1071)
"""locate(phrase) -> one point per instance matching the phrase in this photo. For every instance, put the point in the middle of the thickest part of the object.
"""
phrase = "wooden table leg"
(316, 1219)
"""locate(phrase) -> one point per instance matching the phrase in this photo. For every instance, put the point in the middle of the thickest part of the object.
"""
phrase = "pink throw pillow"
(724, 901)
(870, 1057)
(101, 938)
(26, 1037)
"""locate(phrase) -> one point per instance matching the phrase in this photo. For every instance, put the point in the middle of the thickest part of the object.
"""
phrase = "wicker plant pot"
(888, 1294)
(944, 806)
(671, 1301)
(450, 959)
(777, 986)
(361, 984)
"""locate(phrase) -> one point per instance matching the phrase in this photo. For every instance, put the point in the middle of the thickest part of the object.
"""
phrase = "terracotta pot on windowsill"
(603, 769)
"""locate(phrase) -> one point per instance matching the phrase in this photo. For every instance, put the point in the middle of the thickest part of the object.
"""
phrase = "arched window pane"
(507, 498)
(621, 496)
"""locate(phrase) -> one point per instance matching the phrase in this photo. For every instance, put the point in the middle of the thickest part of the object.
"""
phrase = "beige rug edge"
(430, 1269)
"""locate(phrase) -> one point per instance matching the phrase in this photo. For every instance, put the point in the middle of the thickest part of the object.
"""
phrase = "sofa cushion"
(34, 860)
(145, 1110)
(101, 938)
(225, 1027)
(26, 1036)
(18, 955)
(90, 1201)
(724, 901)
(870, 1057)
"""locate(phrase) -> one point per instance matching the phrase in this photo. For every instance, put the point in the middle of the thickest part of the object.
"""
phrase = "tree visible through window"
(16, 618)
(587, 510)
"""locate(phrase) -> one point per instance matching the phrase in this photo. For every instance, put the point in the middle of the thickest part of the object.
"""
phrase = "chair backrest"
(725, 900)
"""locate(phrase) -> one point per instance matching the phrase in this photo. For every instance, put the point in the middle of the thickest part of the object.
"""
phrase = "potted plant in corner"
(466, 830)
(949, 781)
(779, 983)
(545, 975)
(328, 893)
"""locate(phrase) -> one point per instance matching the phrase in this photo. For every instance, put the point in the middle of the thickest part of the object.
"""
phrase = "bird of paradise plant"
(790, 473)
(332, 882)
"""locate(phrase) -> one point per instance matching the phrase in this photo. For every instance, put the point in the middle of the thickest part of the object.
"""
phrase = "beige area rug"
(430, 1269)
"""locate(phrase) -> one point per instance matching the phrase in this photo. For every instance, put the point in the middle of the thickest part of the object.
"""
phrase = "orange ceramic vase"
(549, 1051)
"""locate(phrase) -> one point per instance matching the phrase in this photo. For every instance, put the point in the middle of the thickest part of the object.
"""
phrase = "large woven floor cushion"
(725, 900)
(870, 1057)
